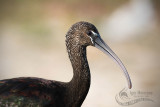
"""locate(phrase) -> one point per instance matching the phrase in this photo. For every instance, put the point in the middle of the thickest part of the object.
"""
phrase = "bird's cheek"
(88, 41)
(91, 42)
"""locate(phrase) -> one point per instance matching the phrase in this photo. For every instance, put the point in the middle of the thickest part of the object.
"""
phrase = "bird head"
(85, 34)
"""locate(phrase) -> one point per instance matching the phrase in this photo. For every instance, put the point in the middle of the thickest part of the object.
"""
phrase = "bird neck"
(80, 82)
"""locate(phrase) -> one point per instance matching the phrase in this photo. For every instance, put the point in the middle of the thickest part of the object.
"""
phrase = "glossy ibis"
(38, 92)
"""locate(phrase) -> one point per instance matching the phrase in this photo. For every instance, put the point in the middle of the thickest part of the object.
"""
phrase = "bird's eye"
(89, 33)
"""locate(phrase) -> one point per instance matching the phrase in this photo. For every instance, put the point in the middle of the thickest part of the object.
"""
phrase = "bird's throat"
(80, 82)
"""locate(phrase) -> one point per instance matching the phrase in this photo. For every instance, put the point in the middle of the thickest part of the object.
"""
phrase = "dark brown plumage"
(37, 92)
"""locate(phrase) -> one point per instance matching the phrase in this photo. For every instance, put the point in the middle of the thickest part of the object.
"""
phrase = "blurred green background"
(32, 43)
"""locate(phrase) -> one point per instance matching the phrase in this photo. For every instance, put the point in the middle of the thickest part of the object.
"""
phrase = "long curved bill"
(100, 44)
